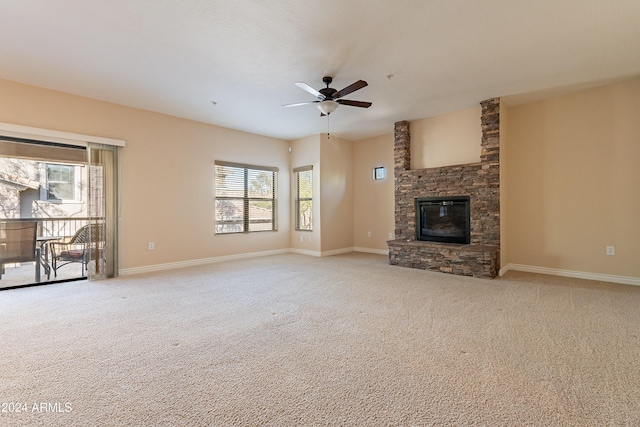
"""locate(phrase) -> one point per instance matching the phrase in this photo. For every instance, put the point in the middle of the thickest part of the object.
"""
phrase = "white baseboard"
(372, 251)
(624, 280)
(203, 261)
(194, 262)
(305, 252)
(337, 252)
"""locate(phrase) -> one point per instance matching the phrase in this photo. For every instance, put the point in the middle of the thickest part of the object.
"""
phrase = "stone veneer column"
(490, 120)
(401, 166)
(401, 147)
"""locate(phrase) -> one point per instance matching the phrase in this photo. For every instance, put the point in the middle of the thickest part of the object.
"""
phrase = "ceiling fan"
(329, 99)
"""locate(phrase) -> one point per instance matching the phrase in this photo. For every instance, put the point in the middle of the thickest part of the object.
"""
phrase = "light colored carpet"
(348, 340)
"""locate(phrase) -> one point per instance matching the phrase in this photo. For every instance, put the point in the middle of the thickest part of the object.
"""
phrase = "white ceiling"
(421, 58)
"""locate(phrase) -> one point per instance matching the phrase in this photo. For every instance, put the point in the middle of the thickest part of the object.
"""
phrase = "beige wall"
(504, 185)
(336, 193)
(574, 181)
(167, 173)
(569, 185)
(449, 139)
(373, 200)
(305, 152)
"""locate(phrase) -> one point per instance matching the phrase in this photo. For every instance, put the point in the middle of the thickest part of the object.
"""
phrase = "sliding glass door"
(70, 192)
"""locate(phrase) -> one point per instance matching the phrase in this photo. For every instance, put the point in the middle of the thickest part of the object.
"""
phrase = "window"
(61, 182)
(379, 173)
(304, 198)
(245, 198)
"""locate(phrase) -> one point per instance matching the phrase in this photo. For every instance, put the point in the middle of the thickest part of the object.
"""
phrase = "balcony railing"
(64, 227)
(59, 226)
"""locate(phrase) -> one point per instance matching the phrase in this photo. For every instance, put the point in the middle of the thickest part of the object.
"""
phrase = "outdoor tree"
(14, 171)
(261, 186)
(305, 199)
(229, 193)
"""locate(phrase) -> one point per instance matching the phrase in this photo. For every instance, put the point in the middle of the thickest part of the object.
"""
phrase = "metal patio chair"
(18, 244)
(87, 244)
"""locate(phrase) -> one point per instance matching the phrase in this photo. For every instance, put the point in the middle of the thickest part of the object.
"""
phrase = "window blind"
(245, 198)
(304, 198)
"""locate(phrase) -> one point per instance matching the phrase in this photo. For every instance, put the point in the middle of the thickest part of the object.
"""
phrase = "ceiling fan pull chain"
(328, 118)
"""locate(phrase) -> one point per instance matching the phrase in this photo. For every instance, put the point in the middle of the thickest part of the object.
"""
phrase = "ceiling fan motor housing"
(327, 91)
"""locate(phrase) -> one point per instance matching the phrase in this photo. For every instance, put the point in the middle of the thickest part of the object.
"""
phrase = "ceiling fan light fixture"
(328, 107)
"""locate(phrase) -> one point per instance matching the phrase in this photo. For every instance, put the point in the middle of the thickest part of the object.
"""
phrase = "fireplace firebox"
(443, 219)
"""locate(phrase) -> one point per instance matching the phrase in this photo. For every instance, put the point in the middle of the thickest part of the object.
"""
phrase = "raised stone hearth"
(480, 181)
(463, 260)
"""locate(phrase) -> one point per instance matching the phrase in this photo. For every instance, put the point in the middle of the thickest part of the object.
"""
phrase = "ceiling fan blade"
(300, 103)
(311, 90)
(354, 103)
(351, 88)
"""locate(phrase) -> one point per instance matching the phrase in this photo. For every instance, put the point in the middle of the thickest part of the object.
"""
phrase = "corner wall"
(336, 195)
(333, 194)
(504, 184)
(574, 184)
(306, 152)
(373, 199)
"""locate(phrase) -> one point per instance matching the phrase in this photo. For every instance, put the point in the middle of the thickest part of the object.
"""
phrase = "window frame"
(74, 174)
(299, 200)
(247, 199)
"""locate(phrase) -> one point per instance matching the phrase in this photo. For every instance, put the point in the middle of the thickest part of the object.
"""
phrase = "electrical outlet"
(302, 238)
(391, 235)
(152, 246)
(611, 250)
(368, 234)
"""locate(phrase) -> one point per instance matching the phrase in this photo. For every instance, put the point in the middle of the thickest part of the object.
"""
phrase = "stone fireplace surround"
(480, 181)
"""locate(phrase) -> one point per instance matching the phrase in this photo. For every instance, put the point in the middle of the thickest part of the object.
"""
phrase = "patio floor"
(25, 273)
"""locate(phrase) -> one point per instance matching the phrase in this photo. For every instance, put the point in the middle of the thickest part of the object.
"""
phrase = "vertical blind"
(245, 198)
(304, 197)
(103, 207)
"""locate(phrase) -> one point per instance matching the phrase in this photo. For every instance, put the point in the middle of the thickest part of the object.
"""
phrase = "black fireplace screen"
(443, 219)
